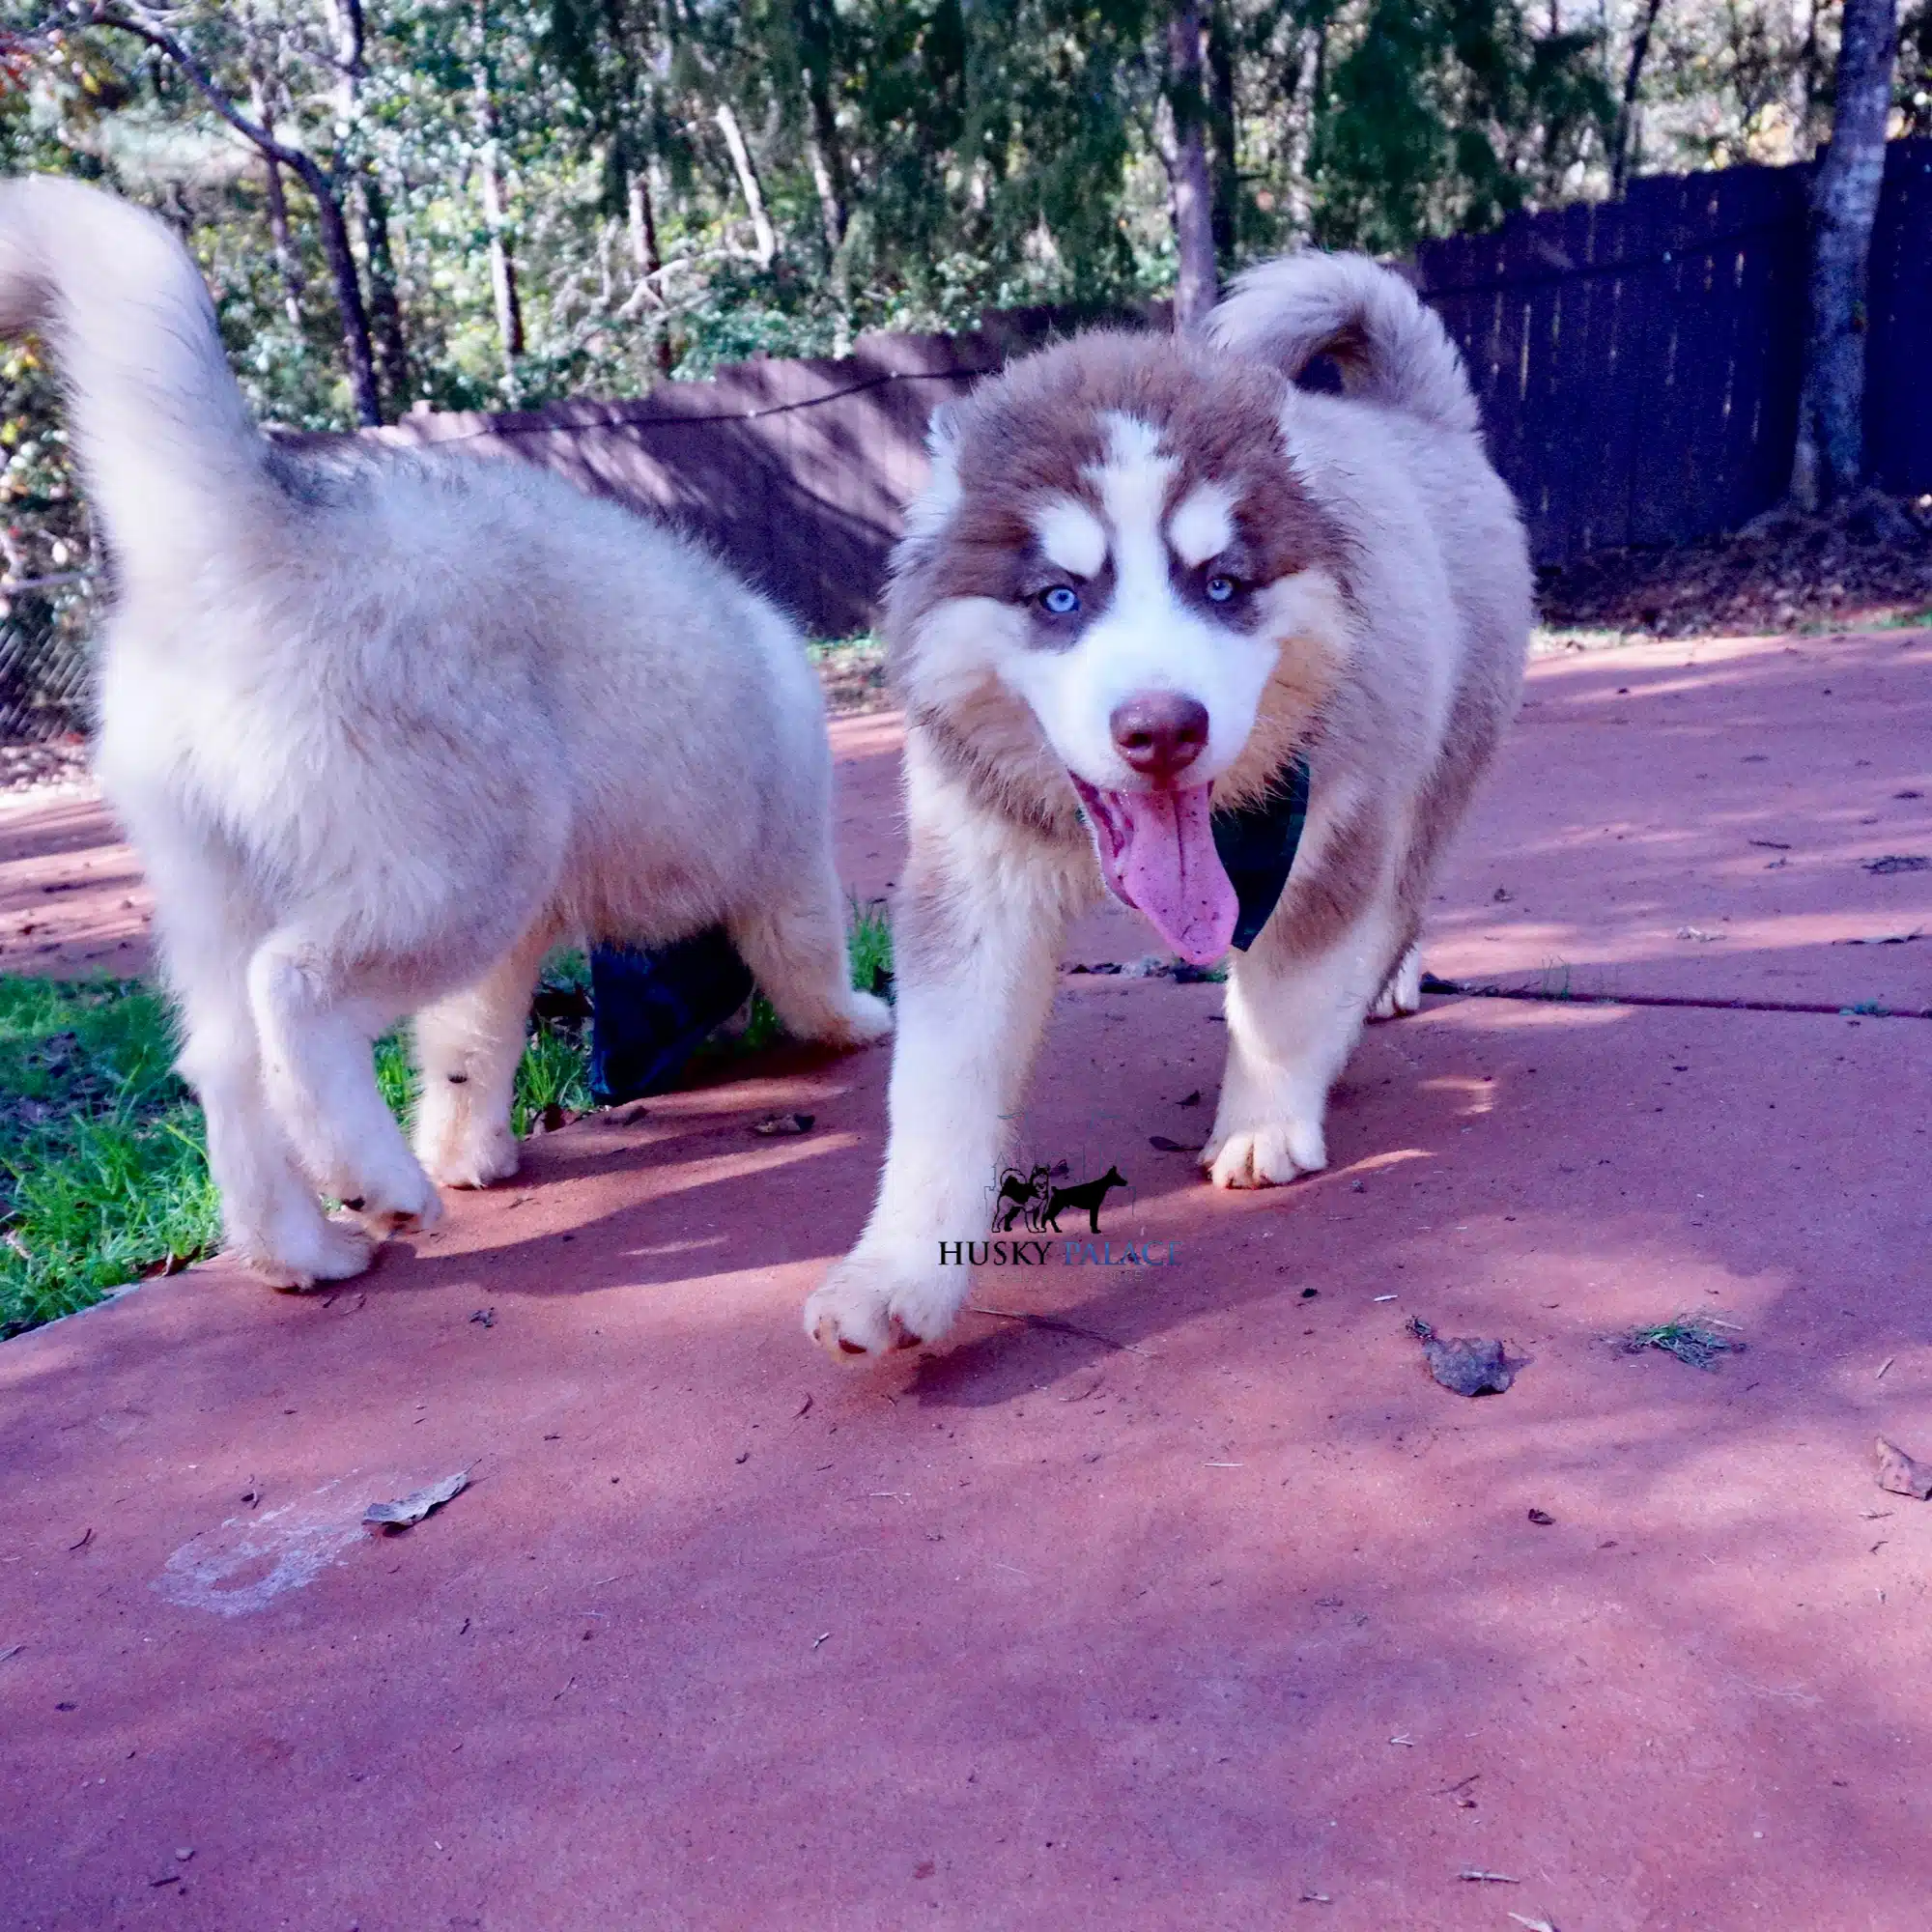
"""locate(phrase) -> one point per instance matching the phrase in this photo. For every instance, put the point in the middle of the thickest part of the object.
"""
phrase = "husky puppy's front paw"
(872, 1305)
(1268, 1156)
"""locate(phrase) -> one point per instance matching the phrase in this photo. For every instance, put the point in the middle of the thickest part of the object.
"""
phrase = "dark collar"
(1257, 844)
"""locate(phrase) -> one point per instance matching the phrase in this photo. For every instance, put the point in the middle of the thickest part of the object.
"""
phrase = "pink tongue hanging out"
(1156, 851)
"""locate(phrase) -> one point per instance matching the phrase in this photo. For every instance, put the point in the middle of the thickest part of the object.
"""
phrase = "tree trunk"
(823, 148)
(391, 344)
(1221, 125)
(747, 183)
(278, 203)
(348, 297)
(366, 201)
(1305, 111)
(645, 252)
(1185, 153)
(1829, 459)
(502, 263)
(1621, 157)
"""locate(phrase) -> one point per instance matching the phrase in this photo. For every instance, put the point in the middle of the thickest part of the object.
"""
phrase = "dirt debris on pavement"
(1465, 1364)
(406, 1511)
(1900, 1474)
(1693, 1339)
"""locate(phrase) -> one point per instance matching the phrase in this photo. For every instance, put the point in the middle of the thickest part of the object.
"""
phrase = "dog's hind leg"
(1292, 1021)
(1403, 994)
(315, 1032)
(795, 945)
(468, 1048)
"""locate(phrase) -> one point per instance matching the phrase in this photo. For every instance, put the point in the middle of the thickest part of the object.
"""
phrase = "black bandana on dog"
(1257, 844)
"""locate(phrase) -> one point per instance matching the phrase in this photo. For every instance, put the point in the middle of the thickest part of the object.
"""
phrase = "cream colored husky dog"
(382, 730)
(1150, 587)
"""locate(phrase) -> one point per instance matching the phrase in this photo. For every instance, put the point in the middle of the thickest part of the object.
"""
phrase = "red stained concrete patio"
(1187, 1602)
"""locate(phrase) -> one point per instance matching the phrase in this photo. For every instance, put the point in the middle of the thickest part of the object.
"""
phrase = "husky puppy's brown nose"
(1159, 733)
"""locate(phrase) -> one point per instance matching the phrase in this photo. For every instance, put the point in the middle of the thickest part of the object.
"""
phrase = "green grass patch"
(103, 1168)
(871, 947)
(1695, 1339)
(104, 1157)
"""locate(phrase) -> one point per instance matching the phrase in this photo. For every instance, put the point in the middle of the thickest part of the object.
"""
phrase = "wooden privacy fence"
(1638, 361)
(797, 472)
(1637, 364)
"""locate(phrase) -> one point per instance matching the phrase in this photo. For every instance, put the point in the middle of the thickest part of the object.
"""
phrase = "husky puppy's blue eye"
(1061, 599)
(1221, 589)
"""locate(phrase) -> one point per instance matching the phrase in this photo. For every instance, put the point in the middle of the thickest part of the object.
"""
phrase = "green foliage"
(1450, 114)
(103, 1173)
(871, 947)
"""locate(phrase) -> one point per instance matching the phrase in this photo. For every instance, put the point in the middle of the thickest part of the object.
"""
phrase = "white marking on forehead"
(1071, 535)
(1202, 525)
(1130, 440)
(1133, 485)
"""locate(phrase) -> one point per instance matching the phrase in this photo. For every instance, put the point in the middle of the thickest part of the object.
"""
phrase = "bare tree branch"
(144, 25)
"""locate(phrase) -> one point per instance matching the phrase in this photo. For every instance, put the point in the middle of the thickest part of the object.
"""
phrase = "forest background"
(491, 203)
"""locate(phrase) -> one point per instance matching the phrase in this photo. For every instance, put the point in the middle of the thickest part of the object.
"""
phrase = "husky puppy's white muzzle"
(1143, 749)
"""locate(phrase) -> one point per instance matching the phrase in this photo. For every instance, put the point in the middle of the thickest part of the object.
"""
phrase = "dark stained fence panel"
(1638, 364)
(1898, 377)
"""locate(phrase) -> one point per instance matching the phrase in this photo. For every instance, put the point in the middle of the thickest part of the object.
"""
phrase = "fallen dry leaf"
(1162, 1145)
(784, 1123)
(1534, 1924)
(1478, 1877)
(411, 1509)
(1900, 1474)
(1465, 1363)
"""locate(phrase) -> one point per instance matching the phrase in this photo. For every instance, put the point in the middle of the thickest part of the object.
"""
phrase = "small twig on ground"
(1057, 1326)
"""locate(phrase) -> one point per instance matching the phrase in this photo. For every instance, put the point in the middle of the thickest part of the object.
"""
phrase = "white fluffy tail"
(171, 457)
(1366, 319)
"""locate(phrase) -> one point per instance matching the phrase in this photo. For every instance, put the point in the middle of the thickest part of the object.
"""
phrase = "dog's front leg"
(976, 931)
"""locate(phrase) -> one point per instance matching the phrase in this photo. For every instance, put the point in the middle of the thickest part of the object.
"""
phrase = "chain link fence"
(47, 658)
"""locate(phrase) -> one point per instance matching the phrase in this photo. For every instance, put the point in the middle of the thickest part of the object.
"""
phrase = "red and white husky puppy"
(1150, 586)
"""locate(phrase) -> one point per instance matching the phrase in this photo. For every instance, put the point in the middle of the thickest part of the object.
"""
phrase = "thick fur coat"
(1147, 577)
(383, 731)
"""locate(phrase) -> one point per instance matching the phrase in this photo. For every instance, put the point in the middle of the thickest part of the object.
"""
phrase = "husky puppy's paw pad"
(1265, 1156)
